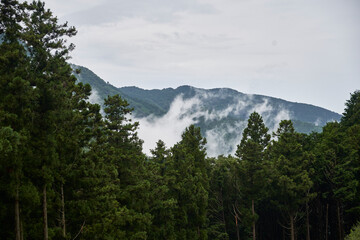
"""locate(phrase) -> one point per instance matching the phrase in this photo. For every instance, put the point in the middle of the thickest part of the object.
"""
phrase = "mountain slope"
(221, 113)
(162, 99)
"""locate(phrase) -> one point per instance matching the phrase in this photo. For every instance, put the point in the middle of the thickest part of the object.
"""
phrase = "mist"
(222, 134)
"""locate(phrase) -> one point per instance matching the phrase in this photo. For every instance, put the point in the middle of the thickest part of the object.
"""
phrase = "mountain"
(221, 112)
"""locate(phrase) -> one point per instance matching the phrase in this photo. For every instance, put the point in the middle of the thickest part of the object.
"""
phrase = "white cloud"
(218, 139)
(94, 97)
(224, 136)
(271, 117)
(170, 126)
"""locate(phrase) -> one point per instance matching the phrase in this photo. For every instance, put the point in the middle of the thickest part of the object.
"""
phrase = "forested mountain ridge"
(221, 113)
(158, 101)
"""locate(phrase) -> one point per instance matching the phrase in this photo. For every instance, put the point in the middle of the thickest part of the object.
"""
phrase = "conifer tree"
(16, 106)
(351, 115)
(336, 167)
(190, 188)
(33, 33)
(124, 150)
(290, 176)
(72, 137)
(223, 211)
(250, 152)
(162, 204)
(91, 196)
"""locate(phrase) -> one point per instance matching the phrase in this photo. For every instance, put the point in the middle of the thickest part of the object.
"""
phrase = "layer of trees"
(69, 172)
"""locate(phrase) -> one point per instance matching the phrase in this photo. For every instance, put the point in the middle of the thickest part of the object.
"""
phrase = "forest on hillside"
(69, 172)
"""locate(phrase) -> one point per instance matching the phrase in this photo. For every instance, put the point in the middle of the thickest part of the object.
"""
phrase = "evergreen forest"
(71, 170)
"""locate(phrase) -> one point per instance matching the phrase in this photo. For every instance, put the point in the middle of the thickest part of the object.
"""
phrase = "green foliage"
(250, 152)
(354, 233)
(162, 203)
(123, 150)
(351, 115)
(290, 173)
(190, 188)
(255, 132)
(223, 197)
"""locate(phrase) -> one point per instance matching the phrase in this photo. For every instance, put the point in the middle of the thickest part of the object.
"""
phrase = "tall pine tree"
(191, 185)
(250, 152)
(290, 176)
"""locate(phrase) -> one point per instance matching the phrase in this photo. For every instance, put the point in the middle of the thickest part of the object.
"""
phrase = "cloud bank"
(221, 133)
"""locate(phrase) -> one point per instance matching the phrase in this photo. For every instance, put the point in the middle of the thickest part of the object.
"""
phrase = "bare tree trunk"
(17, 215)
(237, 229)
(253, 225)
(327, 222)
(307, 222)
(63, 223)
(339, 221)
(292, 227)
(46, 231)
(236, 216)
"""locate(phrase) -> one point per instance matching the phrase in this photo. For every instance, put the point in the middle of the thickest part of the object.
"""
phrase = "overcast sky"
(299, 50)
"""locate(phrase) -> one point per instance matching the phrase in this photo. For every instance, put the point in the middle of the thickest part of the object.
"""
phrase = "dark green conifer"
(290, 176)
(162, 204)
(190, 188)
(250, 152)
(124, 151)
(351, 115)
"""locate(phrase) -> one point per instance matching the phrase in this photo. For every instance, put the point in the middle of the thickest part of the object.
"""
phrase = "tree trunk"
(253, 225)
(292, 227)
(340, 227)
(327, 222)
(237, 228)
(236, 221)
(307, 222)
(63, 223)
(17, 215)
(46, 231)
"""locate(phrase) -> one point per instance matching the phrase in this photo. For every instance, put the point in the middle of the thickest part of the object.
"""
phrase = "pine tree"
(190, 188)
(223, 211)
(50, 76)
(10, 177)
(39, 81)
(72, 138)
(16, 106)
(351, 115)
(91, 179)
(250, 152)
(290, 176)
(162, 204)
(124, 150)
(338, 174)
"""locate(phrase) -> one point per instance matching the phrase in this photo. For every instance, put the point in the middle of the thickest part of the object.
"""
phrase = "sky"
(299, 50)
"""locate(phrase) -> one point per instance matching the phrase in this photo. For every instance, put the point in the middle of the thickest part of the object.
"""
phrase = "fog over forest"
(183, 113)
